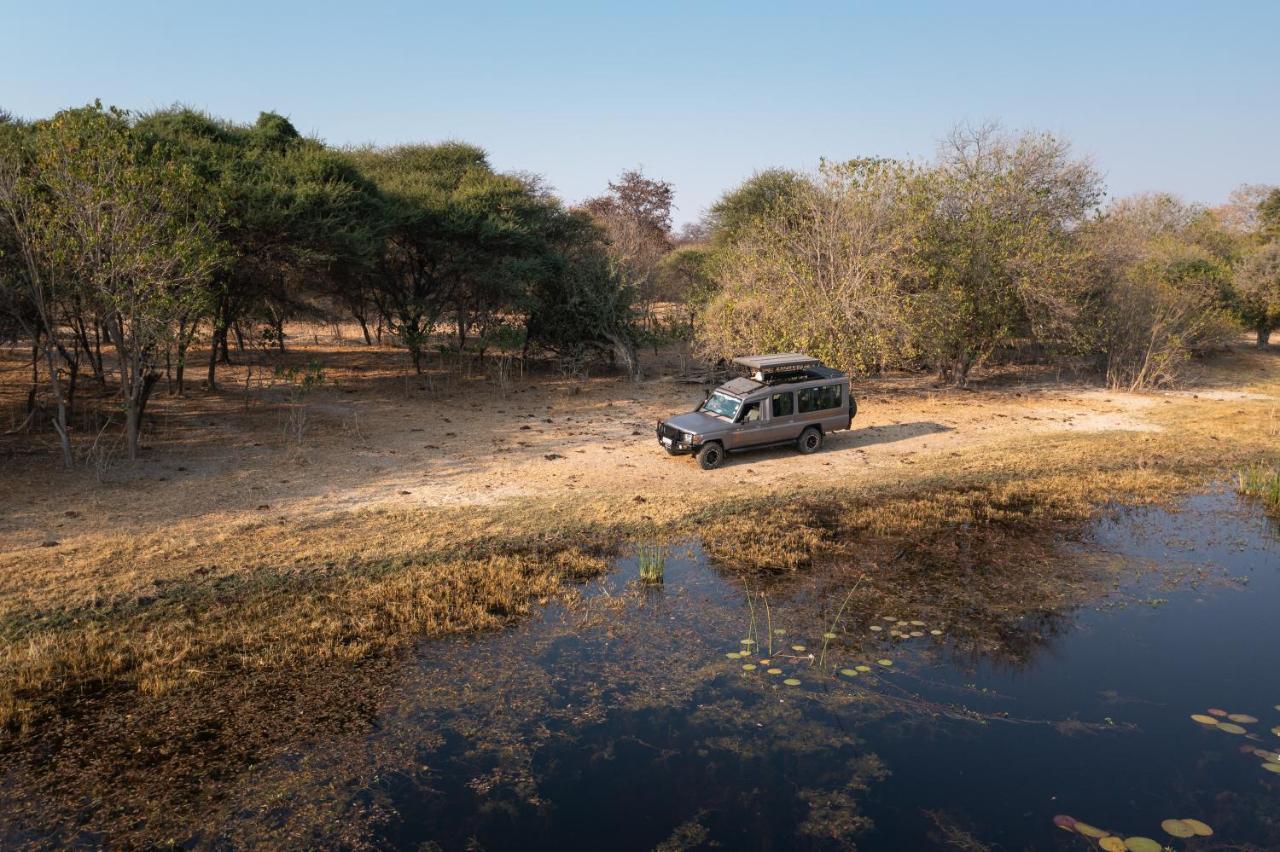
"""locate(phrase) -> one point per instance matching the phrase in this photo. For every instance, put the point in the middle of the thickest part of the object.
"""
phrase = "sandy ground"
(377, 436)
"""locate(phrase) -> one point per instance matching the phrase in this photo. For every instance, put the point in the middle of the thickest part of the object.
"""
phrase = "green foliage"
(763, 195)
(1261, 481)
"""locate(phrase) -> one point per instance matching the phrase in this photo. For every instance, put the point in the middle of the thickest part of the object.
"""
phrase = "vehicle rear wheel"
(710, 456)
(810, 440)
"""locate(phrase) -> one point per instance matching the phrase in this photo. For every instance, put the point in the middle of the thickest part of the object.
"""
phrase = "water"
(617, 722)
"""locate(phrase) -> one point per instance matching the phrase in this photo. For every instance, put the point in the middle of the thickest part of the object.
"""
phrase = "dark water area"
(618, 722)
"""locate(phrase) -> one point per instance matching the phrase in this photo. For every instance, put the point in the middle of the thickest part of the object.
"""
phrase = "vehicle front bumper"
(673, 441)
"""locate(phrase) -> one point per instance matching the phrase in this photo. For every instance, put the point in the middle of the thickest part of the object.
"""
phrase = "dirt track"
(378, 437)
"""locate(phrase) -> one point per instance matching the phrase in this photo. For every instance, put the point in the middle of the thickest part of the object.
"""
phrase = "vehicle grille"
(665, 431)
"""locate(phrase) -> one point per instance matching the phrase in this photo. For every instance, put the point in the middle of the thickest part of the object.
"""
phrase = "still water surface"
(619, 722)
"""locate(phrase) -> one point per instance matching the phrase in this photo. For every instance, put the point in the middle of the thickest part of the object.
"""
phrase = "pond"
(708, 711)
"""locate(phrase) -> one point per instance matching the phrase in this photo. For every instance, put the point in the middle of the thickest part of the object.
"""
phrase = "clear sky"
(1163, 95)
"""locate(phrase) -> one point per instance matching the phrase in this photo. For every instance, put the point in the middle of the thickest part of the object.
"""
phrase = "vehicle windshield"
(722, 404)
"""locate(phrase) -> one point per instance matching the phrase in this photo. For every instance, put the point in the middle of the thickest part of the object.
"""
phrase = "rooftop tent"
(773, 363)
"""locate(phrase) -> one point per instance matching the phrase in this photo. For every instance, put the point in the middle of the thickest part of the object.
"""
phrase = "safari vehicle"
(781, 399)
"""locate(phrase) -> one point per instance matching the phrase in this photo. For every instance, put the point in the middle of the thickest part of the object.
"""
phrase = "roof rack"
(774, 363)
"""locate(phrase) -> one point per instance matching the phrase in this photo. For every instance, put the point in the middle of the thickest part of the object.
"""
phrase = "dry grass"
(184, 601)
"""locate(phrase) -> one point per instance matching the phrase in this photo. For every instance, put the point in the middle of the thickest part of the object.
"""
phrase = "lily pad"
(1230, 728)
(1242, 718)
(1203, 719)
(849, 672)
(773, 671)
(791, 681)
(733, 655)
(863, 668)
(889, 618)
(916, 634)
(1201, 829)
(877, 628)
(764, 662)
(1089, 830)
(749, 667)
(1141, 844)
(935, 632)
(779, 632)
(1111, 843)
(747, 642)
(1214, 711)
(885, 662)
(833, 636)
(1177, 828)
(1272, 767)
(797, 647)
(1268, 756)
(1276, 730)
(1065, 822)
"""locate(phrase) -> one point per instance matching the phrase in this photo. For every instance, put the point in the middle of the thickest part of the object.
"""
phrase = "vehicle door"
(749, 428)
(782, 417)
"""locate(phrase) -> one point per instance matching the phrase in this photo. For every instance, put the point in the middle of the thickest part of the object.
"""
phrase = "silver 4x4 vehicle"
(784, 399)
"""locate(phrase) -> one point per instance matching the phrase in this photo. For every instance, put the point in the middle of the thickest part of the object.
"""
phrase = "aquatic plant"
(651, 560)
(1262, 482)
(835, 622)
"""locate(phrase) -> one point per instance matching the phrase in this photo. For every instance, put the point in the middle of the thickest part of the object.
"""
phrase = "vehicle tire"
(810, 440)
(710, 456)
(853, 408)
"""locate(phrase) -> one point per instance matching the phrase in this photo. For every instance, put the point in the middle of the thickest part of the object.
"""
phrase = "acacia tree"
(47, 281)
(458, 238)
(121, 221)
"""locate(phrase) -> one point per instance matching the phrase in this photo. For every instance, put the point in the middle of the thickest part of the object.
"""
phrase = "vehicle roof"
(741, 386)
(779, 361)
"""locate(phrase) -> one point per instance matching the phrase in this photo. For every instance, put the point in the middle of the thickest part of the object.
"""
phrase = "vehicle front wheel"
(710, 456)
(810, 440)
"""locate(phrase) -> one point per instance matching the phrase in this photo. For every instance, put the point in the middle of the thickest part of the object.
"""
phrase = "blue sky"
(1163, 95)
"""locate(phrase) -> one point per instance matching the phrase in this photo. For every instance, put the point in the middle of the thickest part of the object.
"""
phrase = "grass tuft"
(1262, 482)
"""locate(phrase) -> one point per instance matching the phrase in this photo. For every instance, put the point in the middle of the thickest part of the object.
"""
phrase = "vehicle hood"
(697, 423)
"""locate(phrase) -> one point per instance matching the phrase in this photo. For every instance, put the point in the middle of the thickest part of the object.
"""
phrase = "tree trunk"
(364, 327)
(216, 339)
(627, 351)
(59, 424)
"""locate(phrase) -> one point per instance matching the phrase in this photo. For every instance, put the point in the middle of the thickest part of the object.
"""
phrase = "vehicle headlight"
(687, 437)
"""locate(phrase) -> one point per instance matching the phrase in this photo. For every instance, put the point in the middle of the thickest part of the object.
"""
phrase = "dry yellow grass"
(176, 595)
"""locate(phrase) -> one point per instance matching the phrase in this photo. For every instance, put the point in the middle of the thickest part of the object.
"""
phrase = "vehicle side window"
(830, 396)
(819, 399)
(750, 412)
(784, 404)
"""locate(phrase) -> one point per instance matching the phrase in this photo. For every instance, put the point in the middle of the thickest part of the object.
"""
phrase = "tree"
(635, 215)
(104, 221)
(459, 237)
(1001, 263)
(1257, 281)
(1154, 295)
(582, 305)
(821, 270)
(761, 196)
